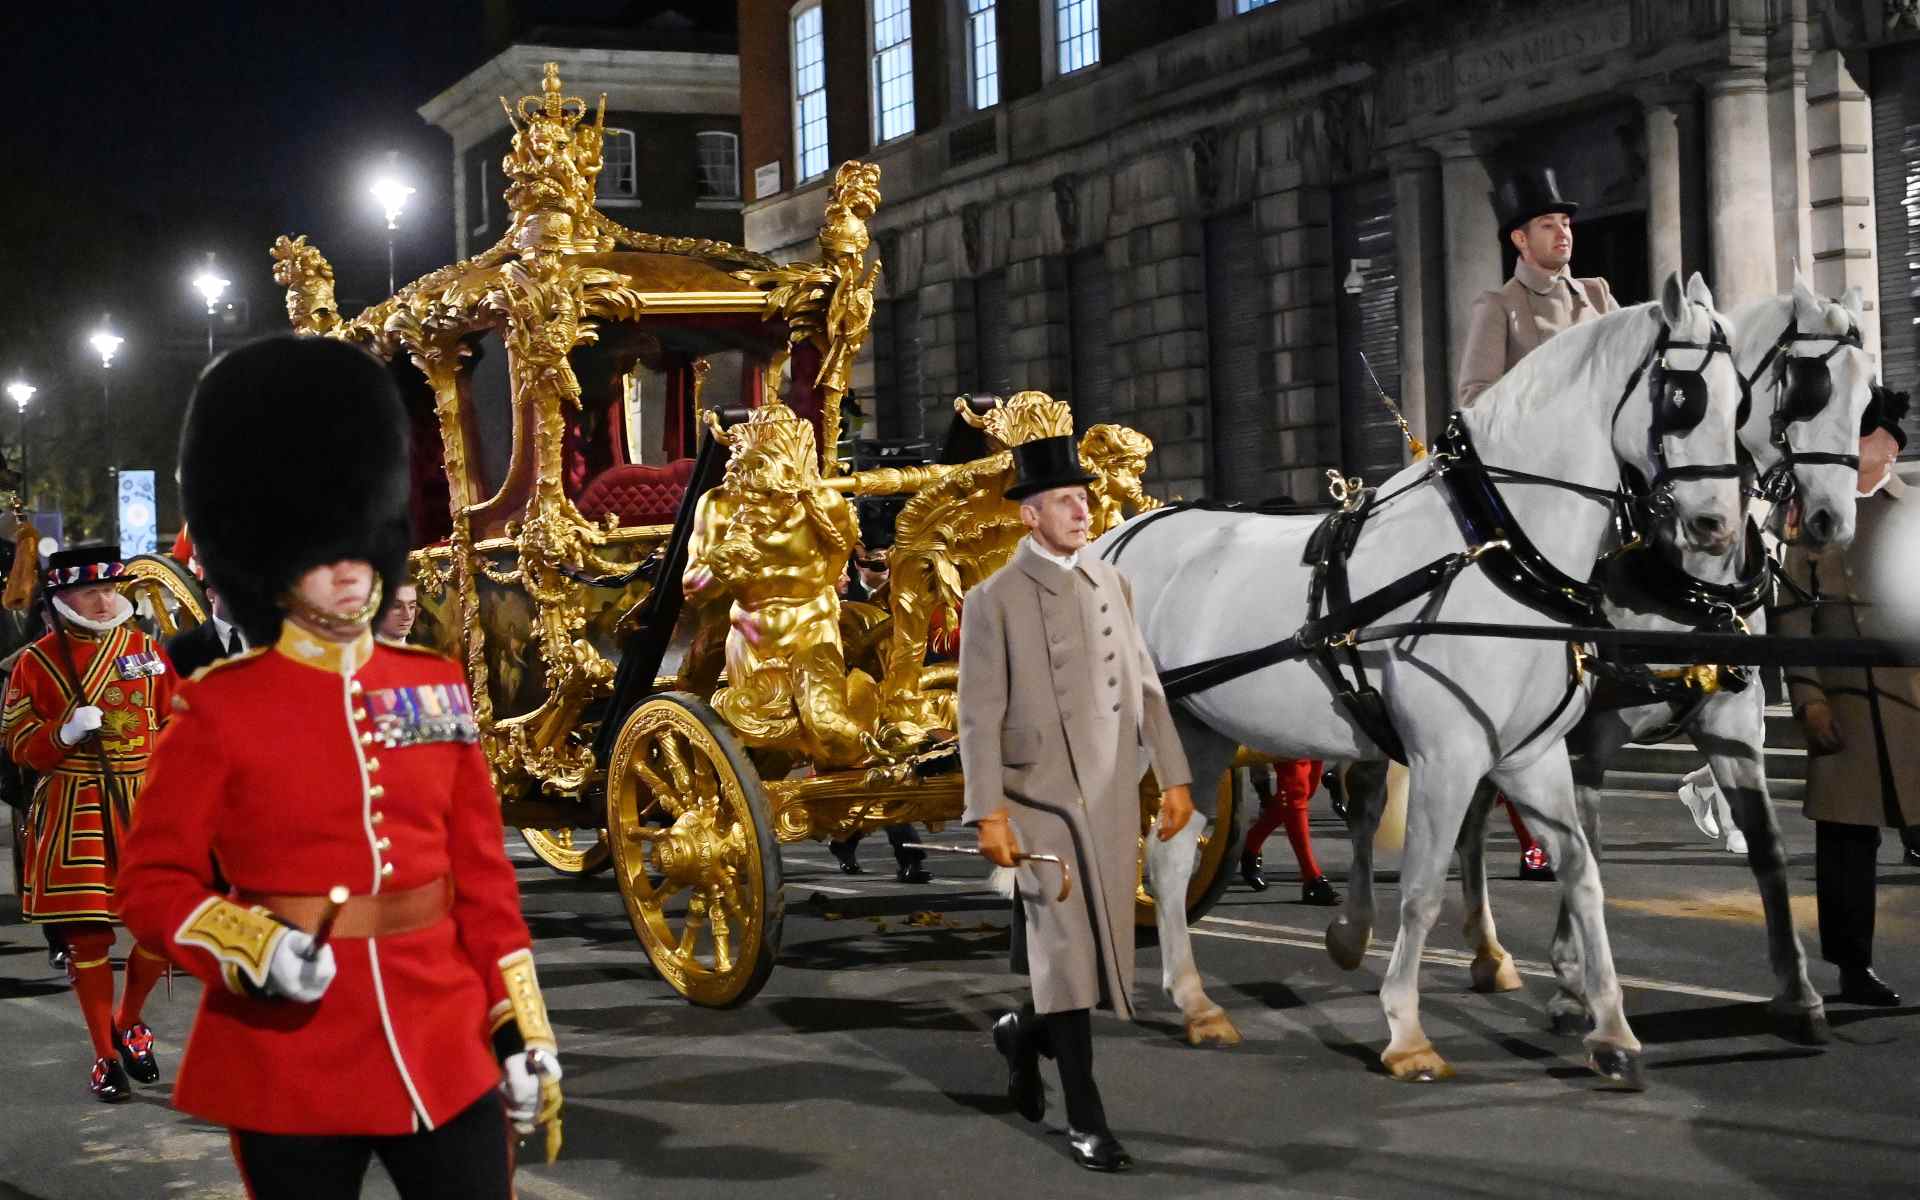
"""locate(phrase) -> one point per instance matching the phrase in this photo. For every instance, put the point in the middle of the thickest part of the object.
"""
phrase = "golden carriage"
(631, 521)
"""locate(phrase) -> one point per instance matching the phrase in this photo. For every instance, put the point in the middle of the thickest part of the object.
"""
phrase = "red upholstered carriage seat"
(637, 495)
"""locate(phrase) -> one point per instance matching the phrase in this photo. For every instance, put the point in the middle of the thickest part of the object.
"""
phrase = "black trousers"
(464, 1159)
(1067, 1038)
(1844, 861)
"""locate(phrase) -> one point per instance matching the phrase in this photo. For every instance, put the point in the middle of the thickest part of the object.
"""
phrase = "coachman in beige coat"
(1060, 714)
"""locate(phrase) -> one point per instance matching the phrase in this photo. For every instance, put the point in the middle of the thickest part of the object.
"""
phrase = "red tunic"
(68, 875)
(273, 767)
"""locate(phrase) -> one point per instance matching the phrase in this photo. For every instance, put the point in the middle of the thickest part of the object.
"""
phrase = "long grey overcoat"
(1875, 778)
(1057, 696)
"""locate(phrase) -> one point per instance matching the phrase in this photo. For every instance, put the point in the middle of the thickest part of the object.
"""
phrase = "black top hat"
(1046, 463)
(293, 455)
(81, 566)
(1524, 195)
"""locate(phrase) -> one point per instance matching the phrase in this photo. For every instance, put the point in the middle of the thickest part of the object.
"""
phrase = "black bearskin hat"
(293, 455)
(1885, 411)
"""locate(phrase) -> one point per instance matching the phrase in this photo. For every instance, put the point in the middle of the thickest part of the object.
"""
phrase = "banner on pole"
(139, 516)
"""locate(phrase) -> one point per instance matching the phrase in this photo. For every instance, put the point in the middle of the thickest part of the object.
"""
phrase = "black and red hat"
(81, 566)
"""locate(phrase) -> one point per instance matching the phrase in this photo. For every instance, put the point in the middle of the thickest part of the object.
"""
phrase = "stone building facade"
(1204, 231)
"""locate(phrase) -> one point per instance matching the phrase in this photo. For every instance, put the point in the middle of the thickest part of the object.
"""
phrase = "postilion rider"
(1059, 699)
(83, 708)
(1543, 298)
(326, 759)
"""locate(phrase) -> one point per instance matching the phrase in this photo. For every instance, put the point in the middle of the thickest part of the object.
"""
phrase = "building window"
(892, 69)
(619, 167)
(983, 53)
(482, 184)
(1247, 6)
(1077, 33)
(809, 95)
(719, 164)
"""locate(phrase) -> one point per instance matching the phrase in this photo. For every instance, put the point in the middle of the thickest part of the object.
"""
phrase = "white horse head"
(1810, 338)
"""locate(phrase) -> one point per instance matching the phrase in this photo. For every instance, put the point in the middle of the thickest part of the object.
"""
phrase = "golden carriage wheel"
(575, 852)
(693, 850)
(178, 599)
(1219, 846)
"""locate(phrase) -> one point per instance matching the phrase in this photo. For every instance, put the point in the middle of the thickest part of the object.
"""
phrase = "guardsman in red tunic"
(83, 708)
(399, 1017)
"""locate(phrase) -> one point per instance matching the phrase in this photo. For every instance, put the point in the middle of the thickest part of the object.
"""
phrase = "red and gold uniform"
(68, 872)
(303, 767)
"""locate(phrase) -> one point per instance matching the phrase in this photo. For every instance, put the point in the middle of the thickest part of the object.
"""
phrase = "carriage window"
(1247, 6)
(477, 200)
(719, 153)
(619, 172)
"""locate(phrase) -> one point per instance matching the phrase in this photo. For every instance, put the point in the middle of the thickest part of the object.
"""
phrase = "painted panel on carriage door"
(1243, 417)
(1896, 199)
(1367, 304)
(1090, 350)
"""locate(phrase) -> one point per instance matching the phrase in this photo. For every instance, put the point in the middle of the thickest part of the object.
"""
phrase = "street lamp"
(392, 195)
(106, 343)
(20, 391)
(210, 285)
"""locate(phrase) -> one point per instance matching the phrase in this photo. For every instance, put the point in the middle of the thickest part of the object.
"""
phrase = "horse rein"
(1680, 416)
(1803, 387)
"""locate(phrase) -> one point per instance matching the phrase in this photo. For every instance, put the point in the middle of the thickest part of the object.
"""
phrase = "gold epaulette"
(232, 660)
(242, 939)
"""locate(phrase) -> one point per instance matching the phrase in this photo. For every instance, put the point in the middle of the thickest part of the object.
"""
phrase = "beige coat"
(1057, 694)
(1848, 787)
(1509, 324)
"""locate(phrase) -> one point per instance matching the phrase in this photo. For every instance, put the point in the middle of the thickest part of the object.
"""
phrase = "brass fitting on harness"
(1345, 489)
(1474, 552)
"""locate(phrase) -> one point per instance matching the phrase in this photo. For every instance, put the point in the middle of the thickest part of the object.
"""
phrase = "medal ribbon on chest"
(142, 664)
(416, 716)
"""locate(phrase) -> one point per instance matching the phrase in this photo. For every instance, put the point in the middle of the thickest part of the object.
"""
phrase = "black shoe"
(849, 858)
(913, 872)
(58, 957)
(1013, 1037)
(1099, 1151)
(1911, 856)
(1859, 985)
(135, 1044)
(109, 1083)
(1318, 892)
(1250, 870)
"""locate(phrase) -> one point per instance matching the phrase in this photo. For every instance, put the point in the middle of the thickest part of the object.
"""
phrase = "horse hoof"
(1347, 943)
(1810, 1028)
(1570, 1023)
(1621, 1066)
(1417, 1066)
(1212, 1028)
(1495, 974)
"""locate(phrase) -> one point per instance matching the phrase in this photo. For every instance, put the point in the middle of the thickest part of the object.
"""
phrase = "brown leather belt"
(384, 915)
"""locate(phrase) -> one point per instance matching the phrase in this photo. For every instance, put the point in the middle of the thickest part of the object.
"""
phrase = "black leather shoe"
(1859, 985)
(913, 872)
(848, 858)
(1911, 857)
(1099, 1151)
(109, 1083)
(58, 956)
(135, 1044)
(1250, 870)
(1013, 1037)
(1318, 892)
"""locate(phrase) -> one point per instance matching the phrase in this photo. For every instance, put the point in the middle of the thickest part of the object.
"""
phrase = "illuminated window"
(1077, 33)
(1247, 6)
(809, 95)
(892, 69)
(983, 53)
(719, 165)
(619, 167)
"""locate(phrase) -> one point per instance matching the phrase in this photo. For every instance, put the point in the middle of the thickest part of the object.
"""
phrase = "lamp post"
(210, 285)
(106, 343)
(392, 195)
(20, 391)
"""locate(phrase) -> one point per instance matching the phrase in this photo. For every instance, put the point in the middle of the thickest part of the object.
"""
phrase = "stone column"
(1664, 109)
(1472, 238)
(1840, 145)
(1739, 188)
(1426, 392)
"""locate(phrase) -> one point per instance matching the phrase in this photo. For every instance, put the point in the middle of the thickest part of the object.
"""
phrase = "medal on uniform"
(141, 665)
(417, 716)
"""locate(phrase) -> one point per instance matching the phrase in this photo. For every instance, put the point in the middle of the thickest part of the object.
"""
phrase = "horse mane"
(1520, 395)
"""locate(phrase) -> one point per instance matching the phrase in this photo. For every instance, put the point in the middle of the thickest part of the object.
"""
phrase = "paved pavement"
(865, 1069)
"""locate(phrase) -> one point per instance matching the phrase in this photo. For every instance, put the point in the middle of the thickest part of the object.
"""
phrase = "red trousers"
(1294, 784)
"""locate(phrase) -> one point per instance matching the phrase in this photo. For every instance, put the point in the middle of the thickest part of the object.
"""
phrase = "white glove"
(84, 722)
(293, 976)
(520, 1086)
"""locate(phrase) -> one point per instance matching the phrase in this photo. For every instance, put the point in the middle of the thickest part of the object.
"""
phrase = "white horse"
(1729, 727)
(1214, 583)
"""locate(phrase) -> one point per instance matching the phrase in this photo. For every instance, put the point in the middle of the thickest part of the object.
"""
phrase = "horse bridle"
(1803, 387)
(1679, 400)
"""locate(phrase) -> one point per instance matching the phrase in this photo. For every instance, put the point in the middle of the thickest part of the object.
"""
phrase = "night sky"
(144, 135)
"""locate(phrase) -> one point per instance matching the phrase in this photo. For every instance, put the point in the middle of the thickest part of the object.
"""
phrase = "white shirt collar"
(1065, 564)
(224, 630)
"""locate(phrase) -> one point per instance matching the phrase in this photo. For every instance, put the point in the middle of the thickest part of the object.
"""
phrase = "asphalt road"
(865, 1068)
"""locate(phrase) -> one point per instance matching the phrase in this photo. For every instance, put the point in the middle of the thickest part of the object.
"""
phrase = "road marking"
(823, 887)
(1290, 935)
